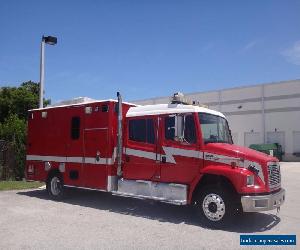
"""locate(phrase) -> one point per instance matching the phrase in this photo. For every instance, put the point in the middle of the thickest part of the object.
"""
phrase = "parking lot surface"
(95, 220)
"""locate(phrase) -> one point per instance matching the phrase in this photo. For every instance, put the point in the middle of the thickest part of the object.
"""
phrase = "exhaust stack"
(119, 143)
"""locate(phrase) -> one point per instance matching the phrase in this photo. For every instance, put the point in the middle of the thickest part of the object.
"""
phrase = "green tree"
(14, 105)
(13, 130)
(19, 100)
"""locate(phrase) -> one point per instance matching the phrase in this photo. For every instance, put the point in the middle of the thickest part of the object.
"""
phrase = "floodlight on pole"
(51, 40)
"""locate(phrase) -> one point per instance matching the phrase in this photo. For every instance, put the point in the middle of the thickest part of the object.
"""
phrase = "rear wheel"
(215, 206)
(55, 187)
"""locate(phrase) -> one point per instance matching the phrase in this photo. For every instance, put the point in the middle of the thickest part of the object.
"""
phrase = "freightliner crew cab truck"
(177, 153)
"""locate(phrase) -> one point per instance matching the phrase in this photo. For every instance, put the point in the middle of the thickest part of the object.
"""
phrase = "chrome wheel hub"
(55, 186)
(213, 207)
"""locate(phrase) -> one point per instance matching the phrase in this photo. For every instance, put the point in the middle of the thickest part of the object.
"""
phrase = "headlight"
(250, 180)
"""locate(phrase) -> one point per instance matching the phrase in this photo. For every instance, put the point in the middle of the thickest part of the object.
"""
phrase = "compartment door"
(95, 158)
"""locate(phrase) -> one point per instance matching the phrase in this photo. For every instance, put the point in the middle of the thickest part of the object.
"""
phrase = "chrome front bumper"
(263, 202)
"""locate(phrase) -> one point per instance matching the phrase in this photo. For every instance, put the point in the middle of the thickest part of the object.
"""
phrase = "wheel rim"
(213, 207)
(55, 186)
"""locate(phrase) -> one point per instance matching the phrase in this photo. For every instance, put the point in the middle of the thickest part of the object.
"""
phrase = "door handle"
(98, 156)
(163, 159)
(127, 158)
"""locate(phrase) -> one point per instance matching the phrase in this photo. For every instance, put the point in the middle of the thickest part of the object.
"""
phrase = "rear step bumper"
(256, 203)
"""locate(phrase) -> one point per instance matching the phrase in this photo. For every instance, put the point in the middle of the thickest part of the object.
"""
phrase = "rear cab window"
(141, 130)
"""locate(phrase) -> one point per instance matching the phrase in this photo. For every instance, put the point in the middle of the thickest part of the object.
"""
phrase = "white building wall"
(258, 113)
(241, 93)
(286, 122)
(242, 124)
(282, 88)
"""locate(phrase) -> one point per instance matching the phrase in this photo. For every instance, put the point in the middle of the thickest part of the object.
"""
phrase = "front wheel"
(215, 206)
(55, 187)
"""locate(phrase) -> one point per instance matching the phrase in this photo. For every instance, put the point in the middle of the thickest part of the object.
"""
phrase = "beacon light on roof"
(179, 98)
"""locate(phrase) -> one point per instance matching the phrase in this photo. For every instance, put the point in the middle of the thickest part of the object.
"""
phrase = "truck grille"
(274, 175)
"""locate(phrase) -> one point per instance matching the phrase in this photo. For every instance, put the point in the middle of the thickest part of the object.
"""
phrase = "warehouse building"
(264, 113)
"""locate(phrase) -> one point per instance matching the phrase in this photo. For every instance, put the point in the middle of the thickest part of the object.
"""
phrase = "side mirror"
(180, 126)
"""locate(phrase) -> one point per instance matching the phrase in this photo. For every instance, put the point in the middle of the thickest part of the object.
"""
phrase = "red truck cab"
(177, 153)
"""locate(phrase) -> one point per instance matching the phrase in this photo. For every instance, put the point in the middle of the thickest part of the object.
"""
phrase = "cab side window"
(190, 129)
(170, 128)
(142, 130)
(180, 128)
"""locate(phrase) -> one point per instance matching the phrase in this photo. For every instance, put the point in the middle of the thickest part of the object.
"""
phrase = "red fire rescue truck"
(176, 153)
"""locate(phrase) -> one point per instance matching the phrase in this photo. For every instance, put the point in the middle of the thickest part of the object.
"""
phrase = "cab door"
(180, 154)
(142, 161)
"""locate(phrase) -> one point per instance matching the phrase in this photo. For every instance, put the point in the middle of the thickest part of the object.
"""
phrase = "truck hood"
(223, 153)
(239, 152)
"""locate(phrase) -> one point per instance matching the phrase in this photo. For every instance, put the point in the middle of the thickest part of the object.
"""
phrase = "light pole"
(51, 40)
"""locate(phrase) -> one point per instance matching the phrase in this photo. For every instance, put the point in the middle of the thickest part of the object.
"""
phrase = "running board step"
(164, 192)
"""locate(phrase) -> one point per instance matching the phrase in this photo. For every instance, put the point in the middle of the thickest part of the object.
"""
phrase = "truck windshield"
(214, 129)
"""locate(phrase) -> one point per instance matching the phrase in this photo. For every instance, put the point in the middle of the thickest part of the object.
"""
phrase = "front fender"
(235, 175)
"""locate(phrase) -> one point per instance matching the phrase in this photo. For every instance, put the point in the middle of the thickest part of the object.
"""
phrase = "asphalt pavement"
(96, 220)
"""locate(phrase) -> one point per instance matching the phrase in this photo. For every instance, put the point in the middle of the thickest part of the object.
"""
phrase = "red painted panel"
(138, 167)
(95, 150)
(186, 169)
(51, 136)
(68, 175)
(39, 173)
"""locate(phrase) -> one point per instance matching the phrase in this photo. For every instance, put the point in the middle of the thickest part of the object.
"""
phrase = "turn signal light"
(250, 180)
(233, 164)
(30, 169)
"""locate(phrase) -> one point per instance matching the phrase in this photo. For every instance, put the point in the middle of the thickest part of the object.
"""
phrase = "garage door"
(252, 138)
(276, 137)
(296, 138)
(235, 138)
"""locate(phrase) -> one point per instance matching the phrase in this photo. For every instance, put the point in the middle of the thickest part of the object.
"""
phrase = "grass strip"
(16, 185)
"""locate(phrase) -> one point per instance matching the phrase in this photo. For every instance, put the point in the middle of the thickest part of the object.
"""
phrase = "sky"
(148, 48)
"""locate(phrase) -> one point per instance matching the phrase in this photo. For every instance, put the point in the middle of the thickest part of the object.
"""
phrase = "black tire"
(55, 186)
(215, 206)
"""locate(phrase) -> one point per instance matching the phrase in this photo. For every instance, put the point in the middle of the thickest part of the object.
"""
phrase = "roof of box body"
(158, 109)
(85, 101)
